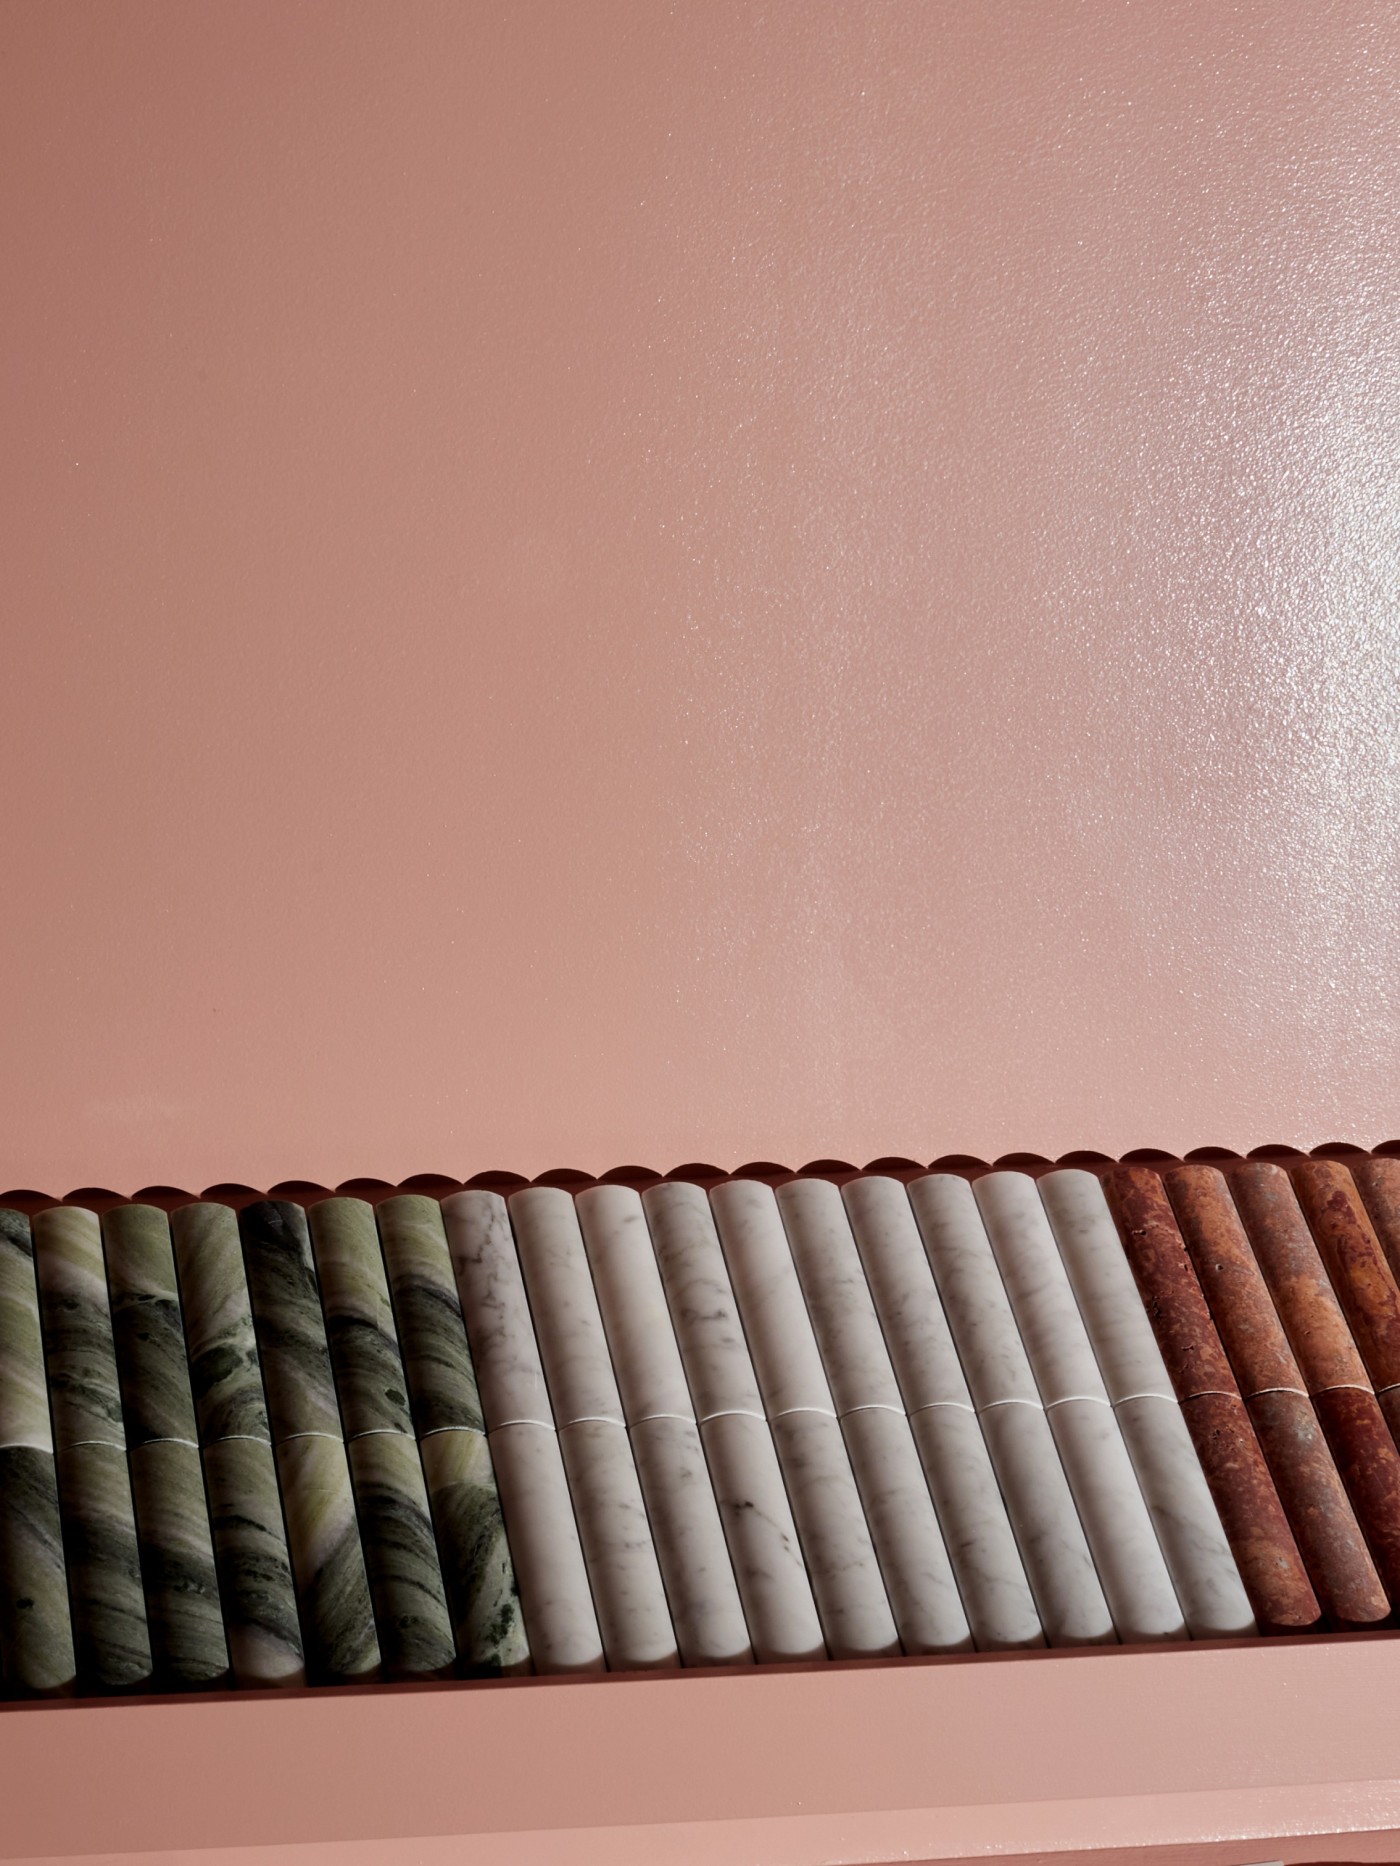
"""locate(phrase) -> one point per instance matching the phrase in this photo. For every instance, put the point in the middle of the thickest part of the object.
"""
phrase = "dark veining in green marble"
(111, 1644)
(410, 1609)
(146, 1325)
(337, 1619)
(255, 1571)
(291, 1332)
(436, 1357)
(77, 1327)
(223, 1354)
(364, 1345)
(24, 1399)
(477, 1571)
(36, 1636)
(177, 1566)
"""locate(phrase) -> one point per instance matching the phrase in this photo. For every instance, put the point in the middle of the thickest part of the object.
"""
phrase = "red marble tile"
(1378, 1181)
(1369, 1466)
(1167, 1283)
(1355, 1262)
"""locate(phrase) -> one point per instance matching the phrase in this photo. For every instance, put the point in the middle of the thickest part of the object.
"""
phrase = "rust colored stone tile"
(1167, 1283)
(1297, 1278)
(1378, 1181)
(1389, 1404)
(1233, 1284)
(1315, 1502)
(1251, 1515)
(1355, 1262)
(1369, 1466)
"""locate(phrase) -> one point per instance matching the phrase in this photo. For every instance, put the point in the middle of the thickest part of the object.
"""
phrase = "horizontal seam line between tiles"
(478, 1431)
(686, 1418)
(947, 1405)
(237, 1438)
(192, 1443)
(75, 1444)
(336, 1438)
(381, 1431)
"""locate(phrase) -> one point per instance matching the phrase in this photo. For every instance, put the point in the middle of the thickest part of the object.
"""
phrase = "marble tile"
(36, 1636)
(555, 1598)
(401, 1558)
(1377, 1179)
(254, 1568)
(1171, 1294)
(24, 1399)
(837, 1295)
(84, 1395)
(287, 1320)
(1131, 1568)
(432, 1336)
(1092, 1252)
(645, 1357)
(183, 1612)
(1362, 1278)
(1049, 1534)
(977, 1533)
(696, 1569)
(615, 1533)
(1302, 1291)
(1250, 1513)
(152, 1367)
(1369, 1467)
(505, 1353)
(714, 1351)
(919, 1581)
(224, 1372)
(1233, 1284)
(758, 1525)
(328, 1564)
(1187, 1523)
(568, 1326)
(906, 1297)
(974, 1297)
(1319, 1512)
(764, 1280)
(846, 1581)
(1038, 1288)
(359, 1318)
(477, 1571)
(111, 1644)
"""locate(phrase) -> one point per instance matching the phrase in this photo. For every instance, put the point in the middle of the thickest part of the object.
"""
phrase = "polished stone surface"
(323, 1539)
(906, 1297)
(837, 1295)
(555, 1597)
(505, 1353)
(564, 1304)
(615, 1534)
(718, 1367)
(1378, 1181)
(974, 1297)
(1038, 1288)
(111, 1643)
(76, 1316)
(183, 1612)
(24, 1399)
(359, 1318)
(36, 1635)
(774, 1313)
(696, 1567)
(146, 1325)
(219, 1335)
(401, 1558)
(1369, 1466)
(1363, 1280)
(478, 1574)
(287, 1319)
(437, 1360)
(254, 1568)
(632, 1300)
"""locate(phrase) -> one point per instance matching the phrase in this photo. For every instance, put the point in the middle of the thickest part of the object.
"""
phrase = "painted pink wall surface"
(613, 581)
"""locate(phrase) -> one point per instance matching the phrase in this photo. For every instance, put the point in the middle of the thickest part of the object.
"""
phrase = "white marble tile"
(1124, 1545)
(836, 1545)
(695, 1564)
(848, 1332)
(756, 1516)
(645, 1356)
(1054, 1551)
(546, 1554)
(771, 1304)
(977, 1533)
(568, 1326)
(919, 1582)
(1102, 1279)
(1042, 1301)
(500, 1330)
(906, 1298)
(1185, 1518)
(615, 1532)
(979, 1313)
(714, 1350)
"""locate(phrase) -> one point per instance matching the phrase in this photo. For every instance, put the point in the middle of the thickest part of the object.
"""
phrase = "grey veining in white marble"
(695, 1564)
(1102, 1279)
(848, 1332)
(840, 1556)
(714, 1350)
(1185, 1518)
(770, 1299)
(555, 1597)
(1056, 1342)
(756, 1516)
(977, 1533)
(623, 1573)
(500, 1329)
(906, 1297)
(1129, 1559)
(642, 1341)
(979, 1313)
(1058, 1564)
(568, 1326)
(919, 1582)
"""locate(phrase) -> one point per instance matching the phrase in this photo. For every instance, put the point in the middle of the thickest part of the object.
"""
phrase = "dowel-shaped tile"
(714, 1350)
(111, 1642)
(623, 1572)
(764, 1279)
(437, 1361)
(401, 1558)
(706, 1612)
(560, 1619)
(256, 1589)
(147, 1326)
(632, 1300)
(1378, 1181)
(287, 1318)
(1369, 1466)
(183, 1610)
(1355, 1262)
(1038, 1288)
(80, 1358)
(1171, 1293)
(837, 1296)
(1092, 1252)
(323, 1539)
(36, 1634)
(359, 1318)
(218, 1320)
(478, 1574)
(505, 1353)
(974, 1297)
(906, 1298)
(24, 1399)
(564, 1304)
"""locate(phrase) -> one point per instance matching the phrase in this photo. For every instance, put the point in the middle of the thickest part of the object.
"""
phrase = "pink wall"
(622, 581)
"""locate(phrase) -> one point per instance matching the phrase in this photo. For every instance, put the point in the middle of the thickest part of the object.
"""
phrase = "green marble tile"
(433, 1338)
(177, 1566)
(323, 1537)
(24, 1398)
(224, 1372)
(396, 1529)
(146, 1325)
(111, 1644)
(291, 1332)
(84, 1395)
(359, 1317)
(482, 1596)
(255, 1570)
(36, 1636)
